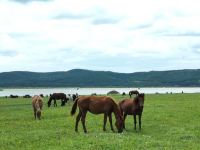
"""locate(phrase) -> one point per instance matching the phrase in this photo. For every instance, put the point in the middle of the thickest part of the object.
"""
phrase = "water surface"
(88, 91)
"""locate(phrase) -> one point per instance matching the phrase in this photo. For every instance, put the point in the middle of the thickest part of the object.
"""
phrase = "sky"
(108, 35)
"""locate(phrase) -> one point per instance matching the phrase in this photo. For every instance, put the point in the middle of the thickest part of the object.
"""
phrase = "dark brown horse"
(132, 107)
(14, 96)
(97, 105)
(133, 92)
(58, 96)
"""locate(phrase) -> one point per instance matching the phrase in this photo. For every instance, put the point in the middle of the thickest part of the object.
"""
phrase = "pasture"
(169, 121)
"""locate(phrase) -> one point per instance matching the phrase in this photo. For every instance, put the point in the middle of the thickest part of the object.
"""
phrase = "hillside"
(88, 78)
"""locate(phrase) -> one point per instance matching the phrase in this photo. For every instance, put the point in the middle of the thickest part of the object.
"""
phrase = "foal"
(37, 104)
(97, 105)
(132, 107)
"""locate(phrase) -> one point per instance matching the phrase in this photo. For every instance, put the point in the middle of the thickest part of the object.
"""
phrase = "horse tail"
(73, 111)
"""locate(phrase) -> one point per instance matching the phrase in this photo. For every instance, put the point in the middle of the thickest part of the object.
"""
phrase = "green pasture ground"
(169, 121)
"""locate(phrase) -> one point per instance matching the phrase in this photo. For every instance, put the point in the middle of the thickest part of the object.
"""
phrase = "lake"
(88, 91)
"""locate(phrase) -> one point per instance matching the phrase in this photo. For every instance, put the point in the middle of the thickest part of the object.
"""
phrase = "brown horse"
(37, 104)
(133, 92)
(97, 105)
(132, 107)
(58, 96)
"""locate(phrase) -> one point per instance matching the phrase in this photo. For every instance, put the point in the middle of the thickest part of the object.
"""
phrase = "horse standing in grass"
(37, 104)
(58, 96)
(133, 92)
(97, 105)
(74, 96)
(132, 107)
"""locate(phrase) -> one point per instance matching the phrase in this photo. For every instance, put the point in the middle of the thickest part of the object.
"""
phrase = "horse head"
(119, 122)
(38, 113)
(119, 125)
(140, 100)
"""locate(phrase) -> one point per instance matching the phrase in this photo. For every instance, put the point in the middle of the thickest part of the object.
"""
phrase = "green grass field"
(169, 121)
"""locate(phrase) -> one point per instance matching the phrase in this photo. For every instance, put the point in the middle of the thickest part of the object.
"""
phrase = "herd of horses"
(97, 105)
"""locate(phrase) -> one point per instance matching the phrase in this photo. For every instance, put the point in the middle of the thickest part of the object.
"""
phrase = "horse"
(57, 96)
(97, 105)
(74, 96)
(133, 92)
(14, 96)
(27, 96)
(37, 104)
(41, 95)
(123, 94)
(132, 107)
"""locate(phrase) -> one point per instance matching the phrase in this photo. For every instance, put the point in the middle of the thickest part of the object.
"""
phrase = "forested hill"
(88, 78)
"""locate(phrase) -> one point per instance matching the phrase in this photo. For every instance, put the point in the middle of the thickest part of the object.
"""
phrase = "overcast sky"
(111, 35)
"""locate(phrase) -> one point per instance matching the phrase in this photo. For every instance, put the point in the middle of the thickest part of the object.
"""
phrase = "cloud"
(191, 34)
(100, 21)
(124, 36)
(70, 16)
(29, 1)
(7, 53)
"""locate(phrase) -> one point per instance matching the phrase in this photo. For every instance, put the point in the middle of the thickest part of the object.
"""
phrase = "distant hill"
(88, 78)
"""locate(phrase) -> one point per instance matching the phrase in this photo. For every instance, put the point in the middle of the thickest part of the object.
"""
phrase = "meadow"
(169, 121)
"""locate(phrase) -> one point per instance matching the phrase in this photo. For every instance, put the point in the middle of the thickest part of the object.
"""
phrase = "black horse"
(74, 96)
(14, 96)
(133, 92)
(58, 96)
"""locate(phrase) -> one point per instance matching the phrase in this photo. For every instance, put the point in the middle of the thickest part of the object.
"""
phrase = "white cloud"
(61, 35)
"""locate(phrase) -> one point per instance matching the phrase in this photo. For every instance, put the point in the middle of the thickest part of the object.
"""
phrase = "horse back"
(96, 104)
(127, 106)
(58, 96)
(37, 102)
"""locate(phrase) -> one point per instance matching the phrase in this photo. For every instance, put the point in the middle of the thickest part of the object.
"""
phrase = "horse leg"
(104, 122)
(62, 102)
(35, 113)
(55, 104)
(110, 120)
(77, 120)
(135, 121)
(124, 118)
(83, 120)
(140, 116)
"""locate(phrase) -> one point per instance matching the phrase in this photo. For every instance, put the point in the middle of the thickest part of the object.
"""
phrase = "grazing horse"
(133, 92)
(14, 96)
(58, 96)
(97, 105)
(37, 104)
(27, 96)
(132, 107)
